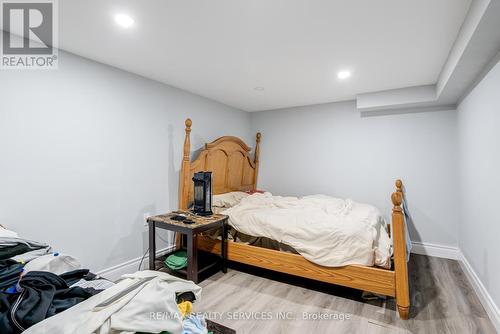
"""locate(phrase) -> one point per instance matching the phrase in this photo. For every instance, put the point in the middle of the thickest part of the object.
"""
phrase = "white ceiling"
(223, 49)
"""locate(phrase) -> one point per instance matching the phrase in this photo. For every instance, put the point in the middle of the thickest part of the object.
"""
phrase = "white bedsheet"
(325, 230)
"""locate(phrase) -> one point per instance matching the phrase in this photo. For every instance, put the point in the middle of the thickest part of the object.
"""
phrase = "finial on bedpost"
(397, 199)
(397, 196)
(399, 185)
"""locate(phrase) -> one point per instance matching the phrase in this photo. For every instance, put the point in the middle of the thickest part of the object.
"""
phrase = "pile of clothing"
(42, 291)
(143, 302)
(36, 283)
(14, 253)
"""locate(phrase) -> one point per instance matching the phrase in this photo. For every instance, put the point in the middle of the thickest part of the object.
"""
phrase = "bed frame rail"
(372, 279)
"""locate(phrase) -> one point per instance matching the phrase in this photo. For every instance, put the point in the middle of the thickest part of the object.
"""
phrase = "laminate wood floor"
(443, 301)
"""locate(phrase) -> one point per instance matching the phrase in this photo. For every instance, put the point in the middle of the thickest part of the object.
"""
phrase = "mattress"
(325, 230)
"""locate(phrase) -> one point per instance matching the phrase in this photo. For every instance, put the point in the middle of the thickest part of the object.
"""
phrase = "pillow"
(228, 200)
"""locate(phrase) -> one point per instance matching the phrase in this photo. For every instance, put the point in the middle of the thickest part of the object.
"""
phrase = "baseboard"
(115, 272)
(446, 252)
(483, 294)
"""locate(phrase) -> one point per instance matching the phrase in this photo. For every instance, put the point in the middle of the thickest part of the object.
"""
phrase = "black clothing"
(6, 252)
(71, 277)
(43, 295)
(186, 297)
(9, 273)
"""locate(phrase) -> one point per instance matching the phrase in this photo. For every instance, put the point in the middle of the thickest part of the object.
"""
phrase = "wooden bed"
(234, 170)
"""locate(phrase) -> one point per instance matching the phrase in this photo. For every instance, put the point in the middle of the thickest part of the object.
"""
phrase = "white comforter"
(325, 230)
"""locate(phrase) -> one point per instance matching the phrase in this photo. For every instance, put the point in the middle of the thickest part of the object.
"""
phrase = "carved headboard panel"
(229, 161)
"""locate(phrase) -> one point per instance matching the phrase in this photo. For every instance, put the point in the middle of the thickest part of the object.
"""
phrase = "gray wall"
(330, 149)
(87, 150)
(479, 154)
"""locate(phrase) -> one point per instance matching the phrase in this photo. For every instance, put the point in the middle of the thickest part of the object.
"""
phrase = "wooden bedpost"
(400, 256)
(185, 168)
(256, 160)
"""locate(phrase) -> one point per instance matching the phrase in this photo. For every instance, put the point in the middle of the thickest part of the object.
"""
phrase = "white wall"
(88, 149)
(330, 149)
(479, 156)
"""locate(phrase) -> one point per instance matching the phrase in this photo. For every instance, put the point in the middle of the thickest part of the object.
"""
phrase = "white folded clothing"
(54, 263)
(10, 238)
(31, 255)
(5, 233)
(11, 241)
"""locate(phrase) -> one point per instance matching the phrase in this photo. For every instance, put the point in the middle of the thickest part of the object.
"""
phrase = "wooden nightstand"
(201, 224)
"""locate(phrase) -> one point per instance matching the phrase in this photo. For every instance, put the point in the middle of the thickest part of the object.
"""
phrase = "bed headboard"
(229, 161)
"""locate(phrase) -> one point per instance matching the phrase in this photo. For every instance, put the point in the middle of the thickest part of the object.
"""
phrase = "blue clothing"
(194, 325)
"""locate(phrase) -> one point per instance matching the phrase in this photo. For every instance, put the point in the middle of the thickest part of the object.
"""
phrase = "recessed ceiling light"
(124, 21)
(259, 89)
(343, 75)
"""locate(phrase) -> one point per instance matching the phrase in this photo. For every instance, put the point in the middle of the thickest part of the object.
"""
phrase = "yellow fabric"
(185, 307)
